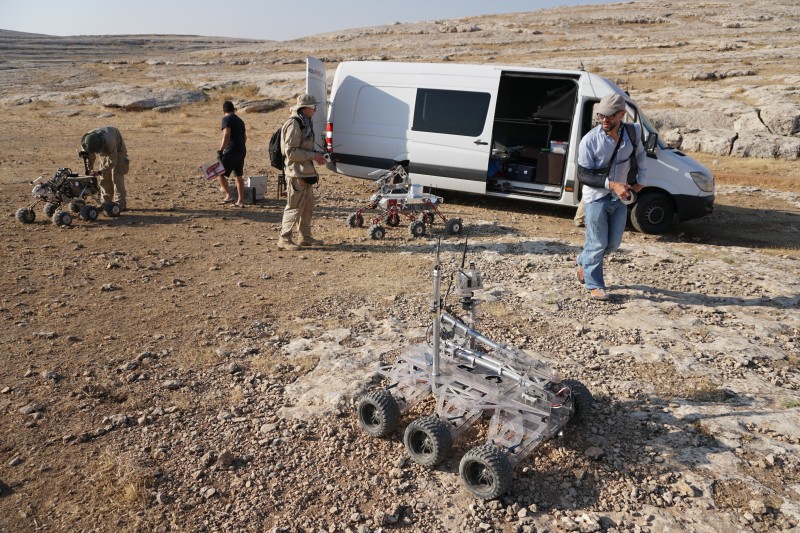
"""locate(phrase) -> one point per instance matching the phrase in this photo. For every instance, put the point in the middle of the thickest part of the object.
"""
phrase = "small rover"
(395, 199)
(71, 189)
(471, 377)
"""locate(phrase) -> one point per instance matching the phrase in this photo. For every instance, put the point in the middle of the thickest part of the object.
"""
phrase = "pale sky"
(253, 19)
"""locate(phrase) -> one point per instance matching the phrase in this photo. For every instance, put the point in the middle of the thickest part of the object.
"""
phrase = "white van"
(503, 131)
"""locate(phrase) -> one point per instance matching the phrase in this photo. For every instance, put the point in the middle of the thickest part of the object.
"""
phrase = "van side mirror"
(651, 144)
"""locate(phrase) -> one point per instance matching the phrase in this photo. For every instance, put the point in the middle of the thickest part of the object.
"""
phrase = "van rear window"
(450, 112)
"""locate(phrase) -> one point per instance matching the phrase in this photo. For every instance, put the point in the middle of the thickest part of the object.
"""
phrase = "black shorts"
(233, 163)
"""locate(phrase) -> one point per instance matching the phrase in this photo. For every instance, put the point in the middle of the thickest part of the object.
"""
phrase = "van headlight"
(703, 181)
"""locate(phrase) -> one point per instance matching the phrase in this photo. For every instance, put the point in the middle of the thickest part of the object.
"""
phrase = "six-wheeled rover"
(470, 376)
(397, 199)
(68, 188)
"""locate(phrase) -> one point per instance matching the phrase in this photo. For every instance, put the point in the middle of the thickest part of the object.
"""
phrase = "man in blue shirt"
(605, 214)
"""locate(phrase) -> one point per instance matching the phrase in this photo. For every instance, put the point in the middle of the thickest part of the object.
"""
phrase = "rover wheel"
(25, 215)
(581, 399)
(485, 471)
(392, 220)
(49, 210)
(62, 218)
(89, 212)
(378, 413)
(355, 220)
(417, 229)
(653, 213)
(427, 440)
(111, 209)
(75, 207)
(377, 232)
(453, 226)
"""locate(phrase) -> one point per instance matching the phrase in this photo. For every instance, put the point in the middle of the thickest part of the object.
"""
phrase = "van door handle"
(480, 142)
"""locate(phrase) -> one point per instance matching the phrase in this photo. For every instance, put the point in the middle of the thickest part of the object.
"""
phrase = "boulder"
(754, 144)
(710, 141)
(699, 116)
(766, 146)
(788, 148)
(672, 137)
(781, 119)
(139, 99)
(750, 122)
(260, 106)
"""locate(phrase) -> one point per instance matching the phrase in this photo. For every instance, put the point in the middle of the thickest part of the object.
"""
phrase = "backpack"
(634, 168)
(275, 148)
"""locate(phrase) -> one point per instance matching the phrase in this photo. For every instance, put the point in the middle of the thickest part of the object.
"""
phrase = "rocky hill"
(715, 77)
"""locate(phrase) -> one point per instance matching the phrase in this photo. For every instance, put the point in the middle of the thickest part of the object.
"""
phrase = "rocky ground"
(170, 370)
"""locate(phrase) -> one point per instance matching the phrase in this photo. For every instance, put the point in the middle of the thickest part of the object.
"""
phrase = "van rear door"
(451, 132)
(317, 86)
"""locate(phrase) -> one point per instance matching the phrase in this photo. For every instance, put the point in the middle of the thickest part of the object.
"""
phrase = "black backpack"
(597, 177)
(276, 157)
(634, 168)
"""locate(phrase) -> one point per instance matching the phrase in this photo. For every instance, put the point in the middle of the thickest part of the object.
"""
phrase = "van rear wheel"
(653, 213)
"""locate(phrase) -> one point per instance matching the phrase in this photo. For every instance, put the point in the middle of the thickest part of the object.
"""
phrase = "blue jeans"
(605, 224)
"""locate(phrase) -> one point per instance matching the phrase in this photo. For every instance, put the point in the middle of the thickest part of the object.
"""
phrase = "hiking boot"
(578, 222)
(309, 241)
(284, 244)
(598, 294)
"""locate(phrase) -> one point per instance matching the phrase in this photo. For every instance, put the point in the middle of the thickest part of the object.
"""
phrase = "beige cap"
(610, 104)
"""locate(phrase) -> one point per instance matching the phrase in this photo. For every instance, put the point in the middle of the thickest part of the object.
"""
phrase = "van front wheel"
(653, 213)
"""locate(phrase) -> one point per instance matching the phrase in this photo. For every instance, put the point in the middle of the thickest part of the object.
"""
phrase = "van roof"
(439, 67)
(594, 82)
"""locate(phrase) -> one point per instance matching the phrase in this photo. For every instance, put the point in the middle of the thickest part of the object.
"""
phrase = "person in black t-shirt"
(232, 153)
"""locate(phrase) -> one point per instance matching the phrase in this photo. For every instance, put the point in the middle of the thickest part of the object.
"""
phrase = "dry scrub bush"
(119, 485)
(196, 357)
(669, 383)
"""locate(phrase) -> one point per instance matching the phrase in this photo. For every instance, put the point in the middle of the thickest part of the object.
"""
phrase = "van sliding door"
(532, 133)
(451, 132)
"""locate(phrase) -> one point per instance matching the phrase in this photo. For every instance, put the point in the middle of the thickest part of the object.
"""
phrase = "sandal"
(226, 201)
